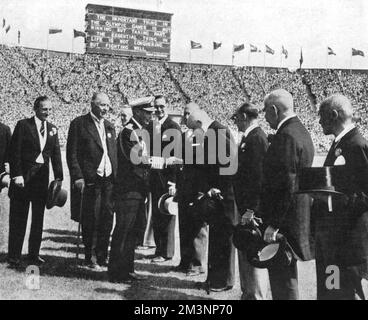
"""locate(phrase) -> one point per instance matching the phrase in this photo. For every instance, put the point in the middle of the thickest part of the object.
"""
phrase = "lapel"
(109, 135)
(33, 129)
(91, 128)
(331, 156)
(48, 137)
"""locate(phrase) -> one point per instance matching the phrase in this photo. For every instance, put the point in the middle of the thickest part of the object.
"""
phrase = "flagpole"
(264, 61)
(232, 59)
(72, 56)
(327, 62)
(47, 45)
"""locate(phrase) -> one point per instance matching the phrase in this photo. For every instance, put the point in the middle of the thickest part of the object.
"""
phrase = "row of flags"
(268, 49)
(76, 33)
(7, 28)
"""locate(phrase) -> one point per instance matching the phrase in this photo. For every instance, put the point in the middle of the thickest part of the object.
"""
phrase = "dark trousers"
(284, 281)
(221, 253)
(97, 219)
(328, 234)
(160, 224)
(124, 237)
(193, 239)
(19, 209)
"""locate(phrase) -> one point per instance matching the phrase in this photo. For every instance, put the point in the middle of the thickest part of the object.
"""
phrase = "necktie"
(42, 129)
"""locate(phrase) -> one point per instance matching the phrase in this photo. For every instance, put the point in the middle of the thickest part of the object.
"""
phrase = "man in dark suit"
(220, 164)
(283, 211)
(91, 158)
(342, 233)
(130, 191)
(164, 130)
(5, 136)
(248, 186)
(34, 143)
(193, 232)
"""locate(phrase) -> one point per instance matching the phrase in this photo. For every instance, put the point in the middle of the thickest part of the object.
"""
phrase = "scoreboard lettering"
(129, 32)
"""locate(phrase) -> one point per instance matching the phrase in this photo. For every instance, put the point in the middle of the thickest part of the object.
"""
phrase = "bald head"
(198, 119)
(278, 105)
(282, 99)
(336, 112)
(189, 109)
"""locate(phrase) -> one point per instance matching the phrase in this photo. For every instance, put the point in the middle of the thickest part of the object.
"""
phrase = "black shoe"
(92, 265)
(136, 277)
(103, 263)
(14, 263)
(36, 261)
(160, 259)
(180, 268)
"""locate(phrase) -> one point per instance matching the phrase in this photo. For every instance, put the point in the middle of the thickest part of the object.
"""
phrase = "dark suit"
(193, 232)
(291, 149)
(342, 235)
(5, 136)
(159, 185)
(221, 252)
(24, 150)
(84, 152)
(130, 192)
(248, 186)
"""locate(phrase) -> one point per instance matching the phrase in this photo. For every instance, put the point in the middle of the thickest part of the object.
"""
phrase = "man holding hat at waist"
(342, 235)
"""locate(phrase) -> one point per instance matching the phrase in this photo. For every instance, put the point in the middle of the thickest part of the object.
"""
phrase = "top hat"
(167, 205)
(265, 255)
(321, 180)
(56, 196)
(205, 208)
(245, 236)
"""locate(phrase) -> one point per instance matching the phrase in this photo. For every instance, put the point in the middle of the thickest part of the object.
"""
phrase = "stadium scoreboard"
(128, 32)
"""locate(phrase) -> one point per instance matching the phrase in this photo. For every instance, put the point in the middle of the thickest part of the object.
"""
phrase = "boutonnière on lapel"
(242, 146)
(338, 152)
(53, 132)
(109, 135)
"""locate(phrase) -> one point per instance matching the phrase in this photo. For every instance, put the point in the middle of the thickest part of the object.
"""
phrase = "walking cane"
(79, 223)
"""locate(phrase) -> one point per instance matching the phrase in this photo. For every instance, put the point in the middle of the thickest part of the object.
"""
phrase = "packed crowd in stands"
(70, 81)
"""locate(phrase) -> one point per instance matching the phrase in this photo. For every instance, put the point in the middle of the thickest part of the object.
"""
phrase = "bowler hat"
(56, 195)
(167, 205)
(320, 180)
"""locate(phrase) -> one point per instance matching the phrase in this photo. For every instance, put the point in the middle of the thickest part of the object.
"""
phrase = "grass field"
(62, 278)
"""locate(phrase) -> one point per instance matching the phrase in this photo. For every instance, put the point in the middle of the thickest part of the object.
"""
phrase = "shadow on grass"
(62, 239)
(156, 288)
(61, 232)
(72, 250)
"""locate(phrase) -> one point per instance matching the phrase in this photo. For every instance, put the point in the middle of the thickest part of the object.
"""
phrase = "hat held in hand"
(167, 205)
(56, 195)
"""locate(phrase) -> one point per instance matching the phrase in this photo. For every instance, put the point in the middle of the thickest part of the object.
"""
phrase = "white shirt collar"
(39, 123)
(344, 132)
(206, 125)
(249, 129)
(136, 122)
(163, 119)
(284, 120)
(99, 121)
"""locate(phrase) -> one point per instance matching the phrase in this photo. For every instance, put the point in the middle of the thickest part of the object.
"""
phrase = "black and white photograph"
(196, 151)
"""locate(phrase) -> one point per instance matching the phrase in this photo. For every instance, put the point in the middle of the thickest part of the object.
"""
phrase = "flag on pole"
(253, 48)
(4, 22)
(269, 50)
(195, 45)
(53, 31)
(285, 52)
(301, 58)
(18, 37)
(79, 34)
(356, 52)
(237, 48)
(217, 45)
(330, 51)
(7, 29)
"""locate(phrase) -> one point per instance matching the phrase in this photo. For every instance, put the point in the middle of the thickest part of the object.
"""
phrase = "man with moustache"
(34, 144)
(91, 158)
(342, 235)
(162, 181)
(283, 211)
(248, 187)
(130, 191)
